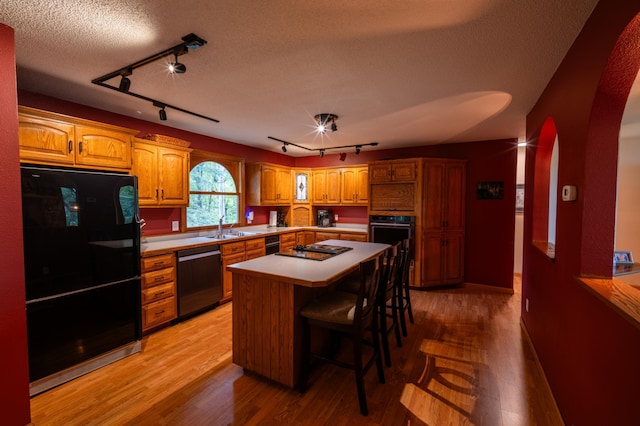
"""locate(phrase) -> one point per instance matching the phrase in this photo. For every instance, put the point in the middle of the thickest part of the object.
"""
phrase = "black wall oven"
(392, 229)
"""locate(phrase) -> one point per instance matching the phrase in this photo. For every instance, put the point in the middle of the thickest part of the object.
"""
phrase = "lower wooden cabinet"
(349, 236)
(231, 253)
(159, 302)
(443, 258)
(287, 241)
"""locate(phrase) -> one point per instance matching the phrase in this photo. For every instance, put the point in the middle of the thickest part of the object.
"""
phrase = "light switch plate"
(175, 225)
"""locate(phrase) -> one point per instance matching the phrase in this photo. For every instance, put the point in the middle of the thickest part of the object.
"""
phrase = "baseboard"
(487, 287)
(539, 366)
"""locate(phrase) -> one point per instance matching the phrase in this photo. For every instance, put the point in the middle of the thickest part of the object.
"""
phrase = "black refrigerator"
(82, 271)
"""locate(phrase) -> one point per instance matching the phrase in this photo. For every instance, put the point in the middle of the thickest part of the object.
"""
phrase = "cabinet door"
(349, 186)
(380, 172)
(453, 196)
(404, 171)
(333, 186)
(173, 172)
(285, 192)
(44, 140)
(145, 167)
(453, 258)
(434, 192)
(103, 148)
(268, 185)
(432, 245)
(227, 277)
(318, 188)
(362, 185)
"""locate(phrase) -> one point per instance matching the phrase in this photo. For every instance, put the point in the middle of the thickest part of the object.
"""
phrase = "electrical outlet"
(335, 217)
(175, 225)
(526, 304)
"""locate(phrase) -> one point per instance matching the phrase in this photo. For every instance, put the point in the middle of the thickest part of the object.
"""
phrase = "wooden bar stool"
(387, 303)
(349, 315)
(402, 283)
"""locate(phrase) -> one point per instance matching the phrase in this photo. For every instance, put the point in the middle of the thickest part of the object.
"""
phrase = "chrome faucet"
(220, 227)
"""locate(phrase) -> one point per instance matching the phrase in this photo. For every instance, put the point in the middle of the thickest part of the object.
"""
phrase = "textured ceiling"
(403, 73)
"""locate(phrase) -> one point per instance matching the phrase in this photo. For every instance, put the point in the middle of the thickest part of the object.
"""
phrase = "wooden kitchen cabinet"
(159, 302)
(354, 186)
(56, 139)
(442, 222)
(305, 237)
(353, 236)
(287, 241)
(231, 253)
(394, 170)
(269, 185)
(163, 174)
(254, 248)
(326, 235)
(325, 187)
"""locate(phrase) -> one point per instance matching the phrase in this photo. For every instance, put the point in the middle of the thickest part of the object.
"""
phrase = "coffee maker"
(324, 219)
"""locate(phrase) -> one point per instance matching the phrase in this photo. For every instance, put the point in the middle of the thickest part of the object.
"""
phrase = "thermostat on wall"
(569, 193)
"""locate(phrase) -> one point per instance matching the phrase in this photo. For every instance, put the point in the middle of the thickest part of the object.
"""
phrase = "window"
(213, 193)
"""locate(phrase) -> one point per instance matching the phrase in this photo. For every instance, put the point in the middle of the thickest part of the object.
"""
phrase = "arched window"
(545, 188)
(214, 193)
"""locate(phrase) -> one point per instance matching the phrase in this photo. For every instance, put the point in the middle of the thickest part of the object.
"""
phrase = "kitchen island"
(268, 293)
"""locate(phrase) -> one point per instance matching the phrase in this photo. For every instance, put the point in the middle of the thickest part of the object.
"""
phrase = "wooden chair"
(402, 283)
(349, 315)
(387, 301)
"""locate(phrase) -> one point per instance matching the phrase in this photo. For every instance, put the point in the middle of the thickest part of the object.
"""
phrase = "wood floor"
(465, 361)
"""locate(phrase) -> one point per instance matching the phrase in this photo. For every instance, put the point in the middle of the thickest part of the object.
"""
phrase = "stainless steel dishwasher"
(272, 244)
(199, 279)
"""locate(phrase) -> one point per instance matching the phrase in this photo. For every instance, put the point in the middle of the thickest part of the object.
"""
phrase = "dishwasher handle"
(198, 256)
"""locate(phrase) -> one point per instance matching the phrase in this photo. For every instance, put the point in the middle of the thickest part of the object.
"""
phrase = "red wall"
(589, 353)
(14, 391)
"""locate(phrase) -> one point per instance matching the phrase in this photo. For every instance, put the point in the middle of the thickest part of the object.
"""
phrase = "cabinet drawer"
(253, 254)
(287, 238)
(149, 279)
(353, 237)
(157, 262)
(322, 236)
(256, 244)
(159, 312)
(158, 292)
(231, 248)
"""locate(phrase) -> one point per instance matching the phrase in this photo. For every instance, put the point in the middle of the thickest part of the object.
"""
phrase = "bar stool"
(349, 315)
(402, 283)
(387, 301)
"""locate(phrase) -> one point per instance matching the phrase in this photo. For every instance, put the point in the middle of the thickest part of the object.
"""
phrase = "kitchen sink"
(224, 237)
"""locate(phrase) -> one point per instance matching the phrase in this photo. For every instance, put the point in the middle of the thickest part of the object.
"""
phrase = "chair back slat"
(368, 290)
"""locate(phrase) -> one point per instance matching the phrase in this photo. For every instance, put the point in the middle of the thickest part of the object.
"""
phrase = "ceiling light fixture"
(322, 150)
(162, 113)
(176, 67)
(326, 121)
(189, 42)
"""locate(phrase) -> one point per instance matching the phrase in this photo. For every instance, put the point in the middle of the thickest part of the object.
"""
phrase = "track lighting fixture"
(322, 150)
(189, 42)
(176, 67)
(326, 121)
(162, 113)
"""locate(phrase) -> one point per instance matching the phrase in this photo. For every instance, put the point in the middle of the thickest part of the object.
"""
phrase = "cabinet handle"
(163, 193)
(156, 193)
(70, 146)
(80, 148)
(160, 278)
(158, 263)
(159, 293)
(159, 312)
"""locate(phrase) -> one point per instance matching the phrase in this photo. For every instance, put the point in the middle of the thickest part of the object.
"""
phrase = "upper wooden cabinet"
(49, 138)
(269, 185)
(163, 174)
(444, 184)
(394, 171)
(325, 186)
(354, 188)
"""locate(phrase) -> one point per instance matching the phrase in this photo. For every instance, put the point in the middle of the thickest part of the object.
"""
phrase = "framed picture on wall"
(622, 258)
(520, 198)
(490, 191)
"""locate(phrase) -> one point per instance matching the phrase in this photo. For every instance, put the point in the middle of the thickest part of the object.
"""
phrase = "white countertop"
(195, 239)
(310, 273)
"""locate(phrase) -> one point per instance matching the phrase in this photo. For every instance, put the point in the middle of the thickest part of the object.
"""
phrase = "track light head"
(125, 84)
(358, 147)
(163, 114)
(322, 153)
(334, 127)
(284, 148)
(177, 67)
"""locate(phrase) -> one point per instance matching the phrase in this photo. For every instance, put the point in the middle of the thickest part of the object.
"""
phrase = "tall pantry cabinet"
(443, 222)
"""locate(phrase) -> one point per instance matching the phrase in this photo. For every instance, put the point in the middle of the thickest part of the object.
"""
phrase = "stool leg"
(408, 297)
(396, 312)
(382, 321)
(357, 363)
(402, 307)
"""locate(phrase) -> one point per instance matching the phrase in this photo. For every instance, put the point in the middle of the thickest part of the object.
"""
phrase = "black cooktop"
(314, 251)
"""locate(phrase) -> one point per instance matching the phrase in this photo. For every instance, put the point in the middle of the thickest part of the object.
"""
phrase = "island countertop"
(310, 273)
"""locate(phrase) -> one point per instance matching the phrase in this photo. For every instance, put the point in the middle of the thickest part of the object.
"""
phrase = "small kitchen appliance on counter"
(324, 219)
(273, 218)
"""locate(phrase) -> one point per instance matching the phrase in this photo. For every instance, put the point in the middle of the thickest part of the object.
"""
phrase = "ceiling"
(402, 74)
